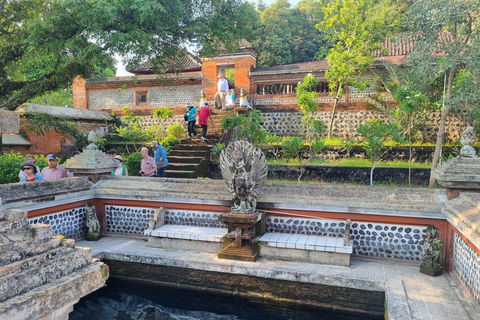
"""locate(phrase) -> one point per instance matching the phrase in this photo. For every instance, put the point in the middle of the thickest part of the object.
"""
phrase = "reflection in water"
(121, 300)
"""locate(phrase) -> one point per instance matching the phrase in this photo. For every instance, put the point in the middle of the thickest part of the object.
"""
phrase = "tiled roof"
(186, 62)
(403, 43)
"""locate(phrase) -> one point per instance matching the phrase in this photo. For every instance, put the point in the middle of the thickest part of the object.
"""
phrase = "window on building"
(141, 97)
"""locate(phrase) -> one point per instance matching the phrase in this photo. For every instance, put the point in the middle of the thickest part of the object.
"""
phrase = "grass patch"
(353, 163)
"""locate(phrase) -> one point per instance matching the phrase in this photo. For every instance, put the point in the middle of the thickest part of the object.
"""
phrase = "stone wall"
(466, 264)
(346, 124)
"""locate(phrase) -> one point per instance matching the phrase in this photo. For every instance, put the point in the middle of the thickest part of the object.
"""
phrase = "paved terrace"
(409, 294)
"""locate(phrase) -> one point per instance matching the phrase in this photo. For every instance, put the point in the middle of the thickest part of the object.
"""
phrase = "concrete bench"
(187, 238)
(306, 248)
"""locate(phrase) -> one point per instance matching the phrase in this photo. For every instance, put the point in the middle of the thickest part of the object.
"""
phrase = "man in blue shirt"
(159, 153)
(192, 119)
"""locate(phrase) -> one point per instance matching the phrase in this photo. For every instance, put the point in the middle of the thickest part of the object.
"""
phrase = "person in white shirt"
(222, 89)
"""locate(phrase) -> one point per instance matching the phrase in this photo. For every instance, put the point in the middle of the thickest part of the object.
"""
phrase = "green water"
(121, 300)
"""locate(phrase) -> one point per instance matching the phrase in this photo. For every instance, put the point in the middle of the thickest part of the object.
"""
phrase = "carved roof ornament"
(244, 170)
(468, 139)
(93, 139)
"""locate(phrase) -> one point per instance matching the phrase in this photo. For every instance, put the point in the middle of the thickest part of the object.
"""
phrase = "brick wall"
(243, 64)
(79, 93)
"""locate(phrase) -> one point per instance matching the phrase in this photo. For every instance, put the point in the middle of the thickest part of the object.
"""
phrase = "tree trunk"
(371, 172)
(441, 129)
(330, 127)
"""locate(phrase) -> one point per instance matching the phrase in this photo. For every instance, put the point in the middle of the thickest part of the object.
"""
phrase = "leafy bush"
(218, 147)
(163, 113)
(134, 163)
(246, 127)
(9, 167)
(176, 130)
(292, 148)
(169, 143)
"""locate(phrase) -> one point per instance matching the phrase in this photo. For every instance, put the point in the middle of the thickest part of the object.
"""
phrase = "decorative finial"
(92, 138)
(468, 139)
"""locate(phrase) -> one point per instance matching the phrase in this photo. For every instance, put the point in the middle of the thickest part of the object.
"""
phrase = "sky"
(121, 72)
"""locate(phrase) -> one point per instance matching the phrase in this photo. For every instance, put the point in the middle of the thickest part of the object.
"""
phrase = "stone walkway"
(409, 294)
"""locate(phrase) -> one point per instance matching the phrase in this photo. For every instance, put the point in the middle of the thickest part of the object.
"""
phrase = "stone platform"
(409, 294)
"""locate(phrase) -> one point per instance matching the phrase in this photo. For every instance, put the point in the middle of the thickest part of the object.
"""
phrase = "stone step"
(34, 248)
(182, 166)
(180, 174)
(191, 147)
(182, 159)
(21, 282)
(56, 294)
(16, 219)
(32, 261)
(188, 153)
(30, 236)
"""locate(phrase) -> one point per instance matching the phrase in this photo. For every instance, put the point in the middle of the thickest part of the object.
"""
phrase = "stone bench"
(306, 248)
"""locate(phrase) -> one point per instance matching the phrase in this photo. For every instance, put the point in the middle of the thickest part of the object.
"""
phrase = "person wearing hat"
(222, 89)
(121, 169)
(53, 171)
(203, 116)
(31, 173)
(192, 119)
(29, 158)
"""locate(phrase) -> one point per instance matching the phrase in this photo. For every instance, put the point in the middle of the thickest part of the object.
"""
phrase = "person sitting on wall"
(222, 89)
(31, 173)
(159, 154)
(53, 171)
(148, 166)
(22, 174)
(121, 169)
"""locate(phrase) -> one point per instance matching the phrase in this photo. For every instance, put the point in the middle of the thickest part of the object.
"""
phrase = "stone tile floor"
(409, 294)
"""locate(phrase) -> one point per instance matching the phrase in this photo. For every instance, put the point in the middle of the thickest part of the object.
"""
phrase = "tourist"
(192, 119)
(121, 169)
(148, 166)
(203, 116)
(222, 89)
(112, 152)
(53, 171)
(160, 157)
(31, 173)
(29, 158)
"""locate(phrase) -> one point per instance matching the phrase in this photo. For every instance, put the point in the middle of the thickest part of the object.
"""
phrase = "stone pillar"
(9, 123)
(79, 90)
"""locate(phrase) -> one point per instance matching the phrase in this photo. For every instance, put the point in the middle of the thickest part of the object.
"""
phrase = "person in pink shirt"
(148, 166)
(203, 116)
(53, 171)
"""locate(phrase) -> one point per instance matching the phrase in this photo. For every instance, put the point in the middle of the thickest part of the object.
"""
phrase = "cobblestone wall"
(467, 266)
(347, 122)
(172, 96)
(69, 223)
(175, 96)
(110, 99)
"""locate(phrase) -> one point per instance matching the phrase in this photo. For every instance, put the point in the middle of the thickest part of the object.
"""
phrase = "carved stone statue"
(432, 261)
(93, 139)
(244, 170)
(158, 219)
(468, 139)
(93, 224)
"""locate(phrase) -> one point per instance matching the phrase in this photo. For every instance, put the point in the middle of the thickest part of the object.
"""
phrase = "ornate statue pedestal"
(243, 230)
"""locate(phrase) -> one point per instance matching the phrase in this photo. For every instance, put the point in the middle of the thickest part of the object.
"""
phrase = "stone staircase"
(190, 158)
(38, 271)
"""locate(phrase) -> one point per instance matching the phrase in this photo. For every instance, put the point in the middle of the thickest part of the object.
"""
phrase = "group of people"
(29, 172)
(203, 115)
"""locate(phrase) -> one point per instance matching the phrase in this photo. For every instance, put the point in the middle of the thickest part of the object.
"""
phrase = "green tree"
(447, 38)
(413, 107)
(285, 36)
(246, 127)
(69, 38)
(307, 100)
(292, 149)
(374, 134)
(359, 26)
